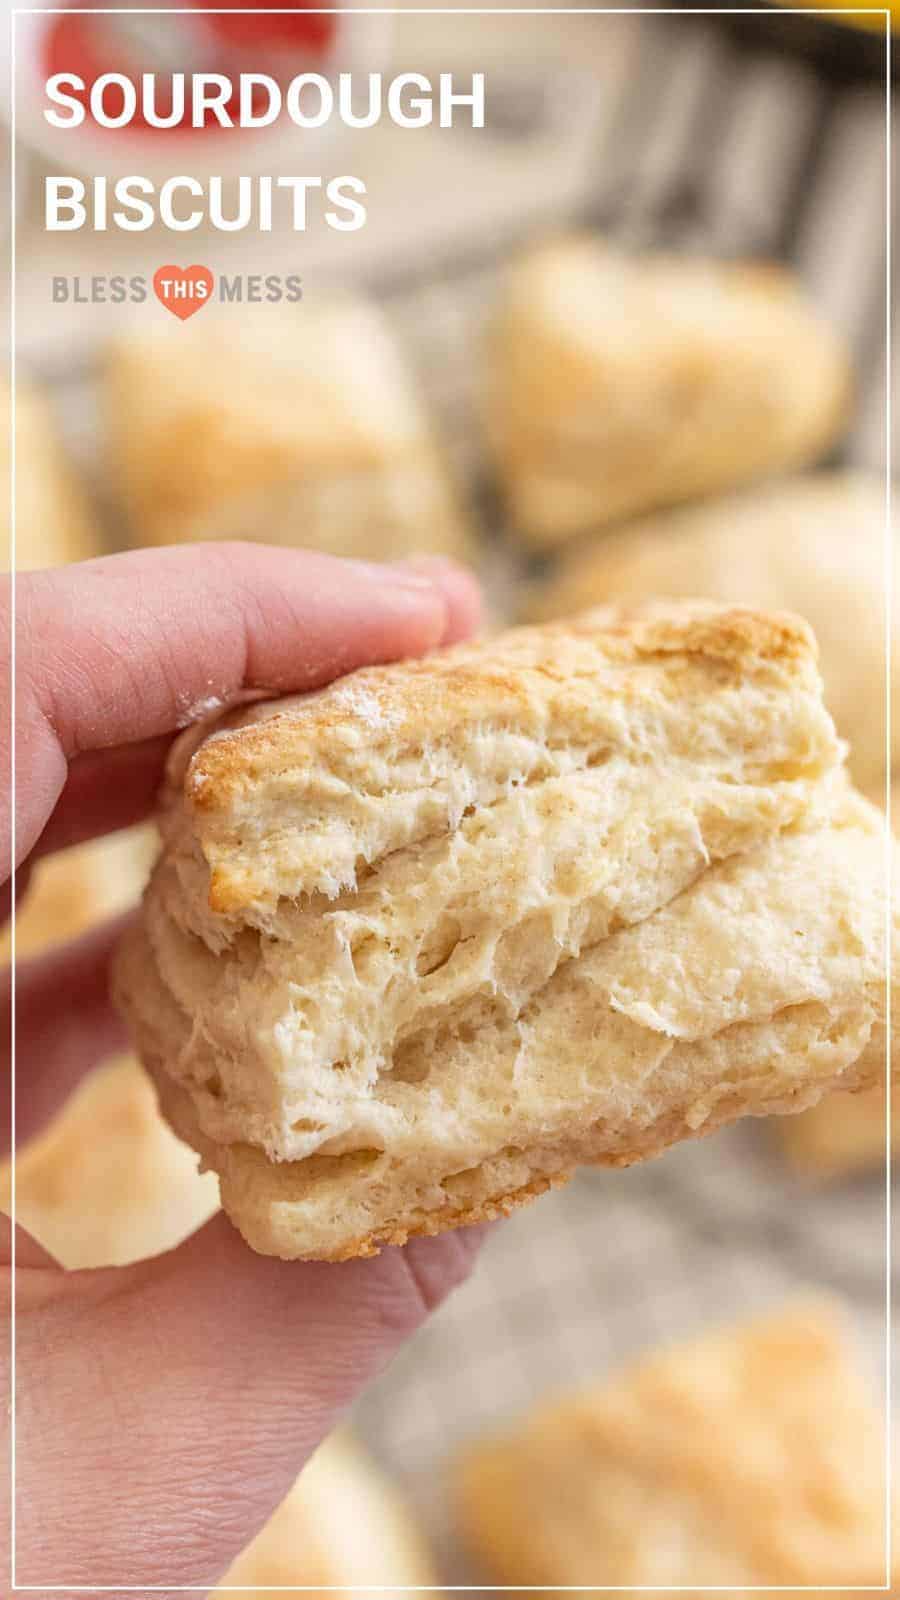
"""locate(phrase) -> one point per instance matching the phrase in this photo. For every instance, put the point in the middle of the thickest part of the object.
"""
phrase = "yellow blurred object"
(843, 1134)
(108, 1183)
(618, 383)
(343, 1524)
(53, 520)
(750, 1456)
(71, 891)
(301, 428)
(875, 24)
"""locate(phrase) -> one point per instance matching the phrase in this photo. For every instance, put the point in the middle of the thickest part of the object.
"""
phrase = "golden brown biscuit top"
(291, 796)
(482, 678)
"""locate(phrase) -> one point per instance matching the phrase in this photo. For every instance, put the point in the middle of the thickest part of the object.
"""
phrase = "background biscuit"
(618, 383)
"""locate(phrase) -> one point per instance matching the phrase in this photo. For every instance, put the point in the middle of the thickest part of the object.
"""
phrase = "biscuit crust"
(814, 544)
(551, 700)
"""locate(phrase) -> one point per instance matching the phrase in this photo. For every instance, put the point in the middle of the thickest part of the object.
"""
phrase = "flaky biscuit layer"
(345, 871)
(755, 990)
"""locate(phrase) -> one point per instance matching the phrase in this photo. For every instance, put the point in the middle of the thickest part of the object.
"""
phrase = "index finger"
(124, 649)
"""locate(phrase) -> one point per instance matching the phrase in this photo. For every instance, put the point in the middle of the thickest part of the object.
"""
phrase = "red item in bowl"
(301, 30)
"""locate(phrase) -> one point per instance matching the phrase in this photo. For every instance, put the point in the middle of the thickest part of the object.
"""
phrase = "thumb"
(180, 1397)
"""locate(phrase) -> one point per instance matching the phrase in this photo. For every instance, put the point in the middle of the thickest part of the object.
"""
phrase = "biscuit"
(813, 544)
(53, 523)
(617, 384)
(108, 1183)
(748, 1457)
(842, 1135)
(299, 428)
(422, 942)
(73, 890)
(343, 1525)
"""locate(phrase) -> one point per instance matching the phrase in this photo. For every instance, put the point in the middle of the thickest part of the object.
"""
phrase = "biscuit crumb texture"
(750, 1456)
(421, 943)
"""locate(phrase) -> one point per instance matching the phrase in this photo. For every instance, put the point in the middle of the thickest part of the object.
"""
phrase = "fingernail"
(425, 565)
(459, 589)
(397, 574)
(437, 578)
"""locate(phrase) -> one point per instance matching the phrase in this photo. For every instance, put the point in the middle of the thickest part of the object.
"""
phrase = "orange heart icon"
(183, 290)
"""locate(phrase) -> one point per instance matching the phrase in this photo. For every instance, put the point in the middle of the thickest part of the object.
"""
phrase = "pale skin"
(164, 1409)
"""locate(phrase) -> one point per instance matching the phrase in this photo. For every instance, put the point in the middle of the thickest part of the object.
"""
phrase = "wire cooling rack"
(588, 1277)
(714, 143)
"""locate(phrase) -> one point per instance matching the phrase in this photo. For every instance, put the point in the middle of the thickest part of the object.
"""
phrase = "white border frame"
(394, 1589)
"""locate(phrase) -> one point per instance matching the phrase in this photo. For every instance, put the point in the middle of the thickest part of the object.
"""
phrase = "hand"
(164, 1409)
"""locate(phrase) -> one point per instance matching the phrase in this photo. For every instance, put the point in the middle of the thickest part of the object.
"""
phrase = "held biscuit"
(813, 544)
(749, 1457)
(422, 942)
(618, 384)
(297, 428)
(845, 1135)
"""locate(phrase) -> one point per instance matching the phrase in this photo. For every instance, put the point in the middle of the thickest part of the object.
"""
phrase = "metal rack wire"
(739, 151)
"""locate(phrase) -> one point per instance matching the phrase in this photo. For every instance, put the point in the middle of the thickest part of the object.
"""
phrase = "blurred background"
(628, 339)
